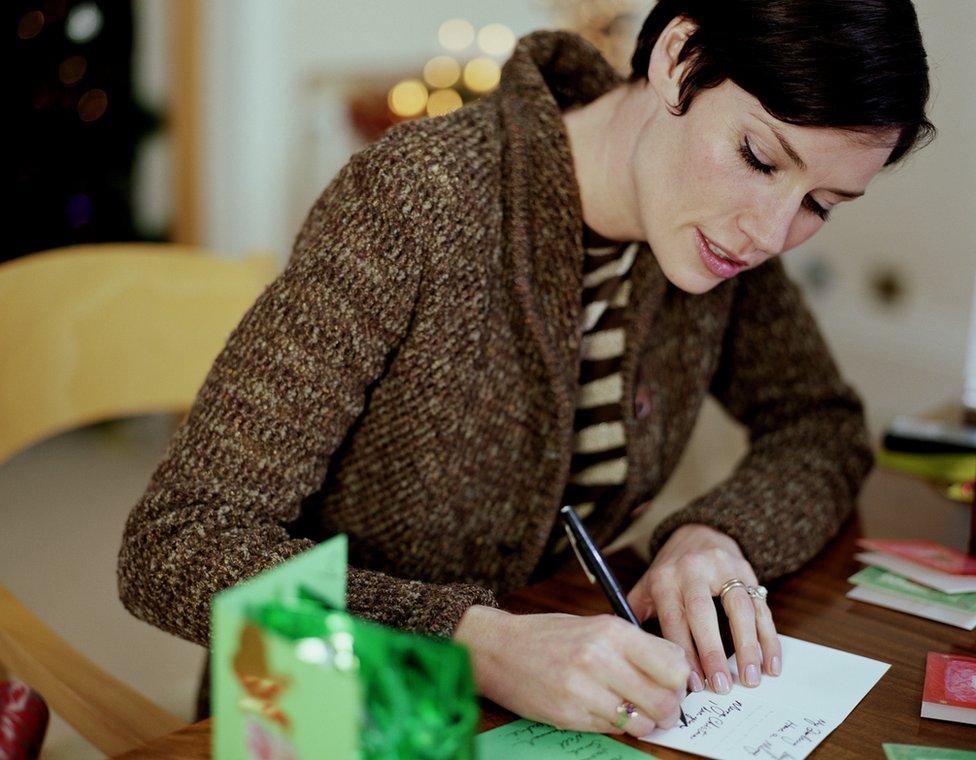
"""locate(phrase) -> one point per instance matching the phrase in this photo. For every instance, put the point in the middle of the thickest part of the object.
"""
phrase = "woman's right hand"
(572, 672)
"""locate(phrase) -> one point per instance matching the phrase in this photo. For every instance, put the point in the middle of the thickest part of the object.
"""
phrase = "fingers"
(742, 620)
(757, 647)
(663, 662)
(681, 592)
(700, 611)
(637, 725)
(656, 703)
(772, 650)
(592, 706)
(675, 628)
(641, 598)
(632, 666)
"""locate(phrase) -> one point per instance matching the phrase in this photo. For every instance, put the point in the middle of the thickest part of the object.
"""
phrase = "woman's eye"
(750, 158)
(816, 208)
(754, 163)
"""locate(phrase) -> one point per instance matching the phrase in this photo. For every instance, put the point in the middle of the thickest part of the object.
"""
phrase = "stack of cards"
(950, 688)
(919, 577)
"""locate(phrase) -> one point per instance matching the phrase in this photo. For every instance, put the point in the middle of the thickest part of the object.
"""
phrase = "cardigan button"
(642, 403)
(506, 549)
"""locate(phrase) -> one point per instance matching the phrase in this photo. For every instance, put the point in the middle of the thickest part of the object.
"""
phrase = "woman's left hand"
(678, 587)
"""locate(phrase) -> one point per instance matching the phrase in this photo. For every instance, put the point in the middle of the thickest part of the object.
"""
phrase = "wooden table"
(810, 605)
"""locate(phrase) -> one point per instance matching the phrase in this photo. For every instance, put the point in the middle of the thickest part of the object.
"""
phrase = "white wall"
(375, 34)
(258, 58)
(246, 89)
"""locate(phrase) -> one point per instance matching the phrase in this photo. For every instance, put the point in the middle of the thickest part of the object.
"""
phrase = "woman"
(523, 304)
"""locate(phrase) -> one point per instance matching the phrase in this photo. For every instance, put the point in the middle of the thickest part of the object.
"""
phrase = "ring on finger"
(625, 711)
(758, 593)
(729, 585)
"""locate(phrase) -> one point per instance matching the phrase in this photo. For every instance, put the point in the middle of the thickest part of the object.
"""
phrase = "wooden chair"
(91, 333)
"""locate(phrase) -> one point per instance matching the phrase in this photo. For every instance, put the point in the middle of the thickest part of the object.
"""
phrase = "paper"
(944, 582)
(784, 717)
(916, 752)
(527, 740)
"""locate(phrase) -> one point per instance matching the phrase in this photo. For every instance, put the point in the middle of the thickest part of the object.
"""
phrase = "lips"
(724, 251)
(716, 264)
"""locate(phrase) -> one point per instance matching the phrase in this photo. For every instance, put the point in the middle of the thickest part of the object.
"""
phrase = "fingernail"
(775, 666)
(695, 682)
(752, 675)
(720, 682)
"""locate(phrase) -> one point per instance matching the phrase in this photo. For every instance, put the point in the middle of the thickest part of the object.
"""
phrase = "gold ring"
(729, 585)
(625, 711)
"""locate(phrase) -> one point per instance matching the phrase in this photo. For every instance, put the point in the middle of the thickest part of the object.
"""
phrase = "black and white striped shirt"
(598, 469)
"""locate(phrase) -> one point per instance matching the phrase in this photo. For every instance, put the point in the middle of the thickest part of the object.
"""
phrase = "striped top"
(598, 468)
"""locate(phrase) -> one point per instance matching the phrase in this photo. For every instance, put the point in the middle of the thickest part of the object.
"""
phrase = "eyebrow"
(795, 158)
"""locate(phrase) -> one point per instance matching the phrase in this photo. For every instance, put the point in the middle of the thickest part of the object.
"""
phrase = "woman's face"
(726, 177)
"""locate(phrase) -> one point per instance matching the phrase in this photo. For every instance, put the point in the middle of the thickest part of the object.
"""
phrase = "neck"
(602, 135)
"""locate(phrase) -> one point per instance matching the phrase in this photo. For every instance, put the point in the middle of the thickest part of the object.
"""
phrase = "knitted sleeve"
(809, 450)
(275, 405)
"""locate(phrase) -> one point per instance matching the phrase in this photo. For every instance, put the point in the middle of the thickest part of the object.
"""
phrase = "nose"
(768, 222)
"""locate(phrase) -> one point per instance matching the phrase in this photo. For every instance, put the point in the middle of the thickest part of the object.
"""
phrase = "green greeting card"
(528, 740)
(295, 676)
(913, 752)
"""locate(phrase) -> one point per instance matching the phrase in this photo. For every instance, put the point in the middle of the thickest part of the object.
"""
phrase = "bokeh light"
(456, 34)
(481, 74)
(30, 25)
(408, 98)
(443, 101)
(92, 105)
(496, 39)
(72, 69)
(84, 23)
(442, 71)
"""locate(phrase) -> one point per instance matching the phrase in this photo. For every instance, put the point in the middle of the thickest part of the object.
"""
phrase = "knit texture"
(410, 380)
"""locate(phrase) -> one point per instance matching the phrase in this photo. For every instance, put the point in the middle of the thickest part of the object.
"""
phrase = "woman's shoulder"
(438, 160)
(430, 179)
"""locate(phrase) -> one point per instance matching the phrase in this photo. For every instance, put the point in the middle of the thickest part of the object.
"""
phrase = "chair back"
(91, 333)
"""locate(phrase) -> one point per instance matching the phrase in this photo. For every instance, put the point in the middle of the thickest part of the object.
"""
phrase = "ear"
(663, 70)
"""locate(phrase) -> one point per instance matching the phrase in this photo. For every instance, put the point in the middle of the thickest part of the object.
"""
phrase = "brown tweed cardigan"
(409, 380)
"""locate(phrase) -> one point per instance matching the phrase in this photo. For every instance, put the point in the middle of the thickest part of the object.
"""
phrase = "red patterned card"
(950, 688)
(926, 553)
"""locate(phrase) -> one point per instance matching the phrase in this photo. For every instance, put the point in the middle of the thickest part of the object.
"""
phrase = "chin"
(688, 279)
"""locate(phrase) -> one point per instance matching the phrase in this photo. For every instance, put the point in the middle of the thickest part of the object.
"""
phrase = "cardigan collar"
(547, 73)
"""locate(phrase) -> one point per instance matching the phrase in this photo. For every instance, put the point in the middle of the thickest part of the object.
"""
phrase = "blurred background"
(217, 124)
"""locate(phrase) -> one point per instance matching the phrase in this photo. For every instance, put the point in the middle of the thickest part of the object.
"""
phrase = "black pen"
(596, 569)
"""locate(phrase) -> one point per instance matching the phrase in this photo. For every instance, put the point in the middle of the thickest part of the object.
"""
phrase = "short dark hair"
(849, 64)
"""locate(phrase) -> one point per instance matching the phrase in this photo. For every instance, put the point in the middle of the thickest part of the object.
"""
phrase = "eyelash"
(754, 163)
